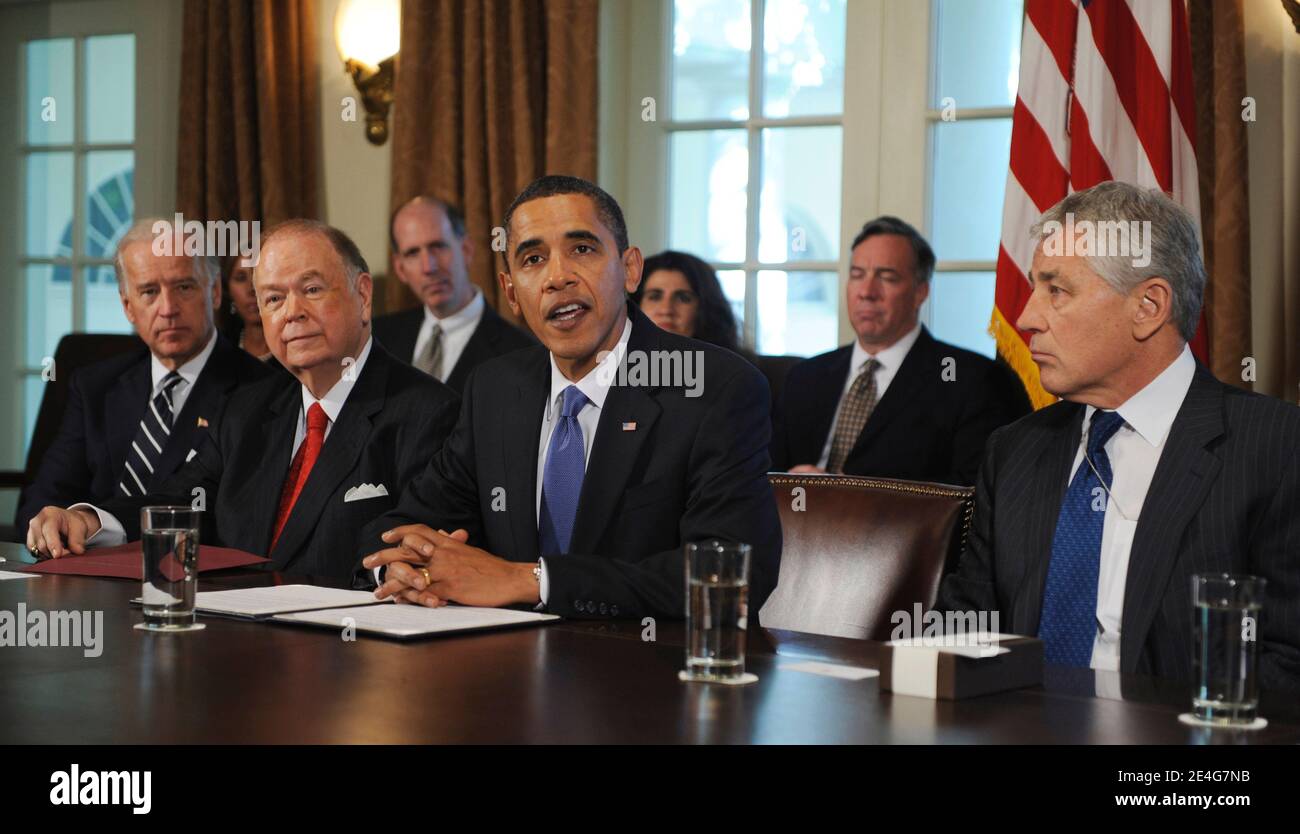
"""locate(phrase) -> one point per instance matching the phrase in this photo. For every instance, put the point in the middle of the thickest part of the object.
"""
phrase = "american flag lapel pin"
(630, 426)
(203, 424)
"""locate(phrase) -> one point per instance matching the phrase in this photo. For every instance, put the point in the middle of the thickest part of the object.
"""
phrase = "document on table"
(415, 620)
(9, 574)
(258, 603)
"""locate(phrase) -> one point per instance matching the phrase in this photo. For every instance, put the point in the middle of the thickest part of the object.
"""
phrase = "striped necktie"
(153, 434)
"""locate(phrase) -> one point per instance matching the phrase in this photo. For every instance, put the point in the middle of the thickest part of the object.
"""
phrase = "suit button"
(603, 609)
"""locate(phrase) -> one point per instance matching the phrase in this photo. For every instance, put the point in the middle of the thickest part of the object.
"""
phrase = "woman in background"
(681, 294)
(243, 323)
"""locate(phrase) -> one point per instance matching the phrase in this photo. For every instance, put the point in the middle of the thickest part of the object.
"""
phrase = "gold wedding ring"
(428, 580)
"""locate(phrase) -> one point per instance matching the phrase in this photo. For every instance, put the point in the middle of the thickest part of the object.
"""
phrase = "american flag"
(1105, 94)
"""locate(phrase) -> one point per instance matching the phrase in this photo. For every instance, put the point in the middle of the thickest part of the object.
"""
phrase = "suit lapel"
(824, 398)
(215, 380)
(478, 348)
(909, 377)
(277, 433)
(347, 438)
(615, 453)
(124, 407)
(1183, 476)
(1049, 480)
(522, 436)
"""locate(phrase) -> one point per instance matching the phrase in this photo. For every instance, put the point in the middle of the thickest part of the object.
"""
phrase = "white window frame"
(887, 118)
(156, 25)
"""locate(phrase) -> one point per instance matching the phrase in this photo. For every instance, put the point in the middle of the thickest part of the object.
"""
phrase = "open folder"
(126, 561)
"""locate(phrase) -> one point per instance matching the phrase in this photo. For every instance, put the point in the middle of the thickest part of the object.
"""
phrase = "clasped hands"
(456, 571)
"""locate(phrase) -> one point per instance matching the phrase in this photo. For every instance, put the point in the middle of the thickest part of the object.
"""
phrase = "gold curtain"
(249, 110)
(1219, 80)
(490, 95)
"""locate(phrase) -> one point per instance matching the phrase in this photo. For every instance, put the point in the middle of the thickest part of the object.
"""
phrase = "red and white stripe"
(1105, 93)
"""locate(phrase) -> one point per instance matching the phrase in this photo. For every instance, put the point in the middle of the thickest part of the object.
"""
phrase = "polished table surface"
(568, 682)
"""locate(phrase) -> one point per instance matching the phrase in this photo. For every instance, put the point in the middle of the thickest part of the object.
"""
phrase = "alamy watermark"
(654, 369)
(38, 629)
(946, 628)
(1098, 238)
(213, 238)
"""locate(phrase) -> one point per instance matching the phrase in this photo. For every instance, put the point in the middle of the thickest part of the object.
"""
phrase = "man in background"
(454, 329)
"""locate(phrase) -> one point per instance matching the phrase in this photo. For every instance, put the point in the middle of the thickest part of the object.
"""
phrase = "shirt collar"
(190, 370)
(332, 402)
(466, 316)
(1151, 411)
(595, 385)
(891, 357)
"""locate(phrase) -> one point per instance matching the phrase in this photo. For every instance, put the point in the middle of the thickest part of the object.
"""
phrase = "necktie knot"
(317, 419)
(1103, 428)
(869, 369)
(574, 401)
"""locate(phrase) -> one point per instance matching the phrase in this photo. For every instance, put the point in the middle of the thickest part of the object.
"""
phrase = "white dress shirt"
(890, 359)
(456, 331)
(1133, 452)
(595, 385)
(189, 375)
(111, 532)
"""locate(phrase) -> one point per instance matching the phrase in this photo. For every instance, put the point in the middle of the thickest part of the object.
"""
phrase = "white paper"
(979, 644)
(279, 599)
(9, 574)
(834, 670)
(412, 620)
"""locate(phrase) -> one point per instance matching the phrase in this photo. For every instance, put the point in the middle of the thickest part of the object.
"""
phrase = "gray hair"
(205, 266)
(1174, 243)
(349, 254)
(890, 225)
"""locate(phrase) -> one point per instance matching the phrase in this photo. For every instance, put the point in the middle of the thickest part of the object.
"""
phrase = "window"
(974, 70)
(754, 135)
(77, 159)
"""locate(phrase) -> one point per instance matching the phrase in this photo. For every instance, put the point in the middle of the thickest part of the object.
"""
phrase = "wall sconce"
(368, 34)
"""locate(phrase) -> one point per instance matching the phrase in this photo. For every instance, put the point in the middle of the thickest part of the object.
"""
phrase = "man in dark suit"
(299, 465)
(896, 403)
(572, 479)
(454, 330)
(111, 441)
(1092, 515)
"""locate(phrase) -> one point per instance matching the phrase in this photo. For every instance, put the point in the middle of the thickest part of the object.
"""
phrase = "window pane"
(109, 63)
(800, 208)
(977, 52)
(969, 178)
(707, 197)
(50, 101)
(103, 304)
(710, 60)
(961, 304)
(109, 200)
(733, 289)
(49, 310)
(797, 312)
(48, 205)
(803, 57)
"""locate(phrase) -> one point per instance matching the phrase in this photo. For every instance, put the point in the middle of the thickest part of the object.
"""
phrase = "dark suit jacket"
(925, 428)
(394, 419)
(106, 401)
(1225, 498)
(493, 336)
(693, 469)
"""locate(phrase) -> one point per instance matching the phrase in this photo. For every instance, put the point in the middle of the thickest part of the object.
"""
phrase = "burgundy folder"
(126, 561)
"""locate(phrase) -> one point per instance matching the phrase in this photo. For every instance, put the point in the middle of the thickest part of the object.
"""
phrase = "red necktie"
(300, 469)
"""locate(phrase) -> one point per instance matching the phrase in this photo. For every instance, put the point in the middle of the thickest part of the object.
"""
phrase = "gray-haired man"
(131, 419)
(1092, 515)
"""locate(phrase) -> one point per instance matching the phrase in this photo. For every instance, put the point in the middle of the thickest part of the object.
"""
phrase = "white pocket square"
(361, 492)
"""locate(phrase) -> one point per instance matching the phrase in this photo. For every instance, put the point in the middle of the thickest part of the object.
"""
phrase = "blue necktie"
(562, 477)
(1069, 622)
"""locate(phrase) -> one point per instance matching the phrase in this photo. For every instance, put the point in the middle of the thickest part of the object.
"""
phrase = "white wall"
(354, 177)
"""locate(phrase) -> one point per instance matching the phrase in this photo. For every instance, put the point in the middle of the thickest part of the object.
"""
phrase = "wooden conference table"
(569, 682)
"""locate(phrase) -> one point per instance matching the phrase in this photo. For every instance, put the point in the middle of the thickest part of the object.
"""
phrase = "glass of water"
(1225, 632)
(717, 600)
(170, 541)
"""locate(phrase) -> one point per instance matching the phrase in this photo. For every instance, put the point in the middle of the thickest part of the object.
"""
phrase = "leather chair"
(855, 550)
(74, 350)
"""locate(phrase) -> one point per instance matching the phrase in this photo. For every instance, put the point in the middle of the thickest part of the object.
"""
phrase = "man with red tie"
(298, 465)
